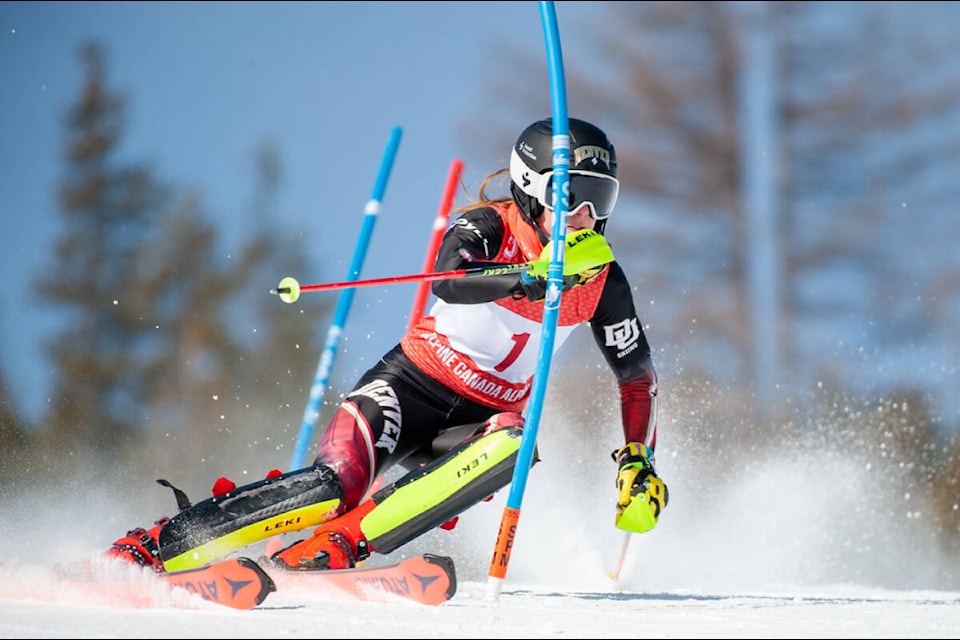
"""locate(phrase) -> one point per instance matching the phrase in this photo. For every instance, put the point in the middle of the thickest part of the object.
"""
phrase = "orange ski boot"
(337, 544)
(140, 547)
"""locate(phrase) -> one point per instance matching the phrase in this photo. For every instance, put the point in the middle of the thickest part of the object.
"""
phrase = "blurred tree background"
(727, 250)
(170, 332)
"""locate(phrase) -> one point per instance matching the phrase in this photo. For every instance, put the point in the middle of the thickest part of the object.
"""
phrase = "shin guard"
(429, 496)
(220, 525)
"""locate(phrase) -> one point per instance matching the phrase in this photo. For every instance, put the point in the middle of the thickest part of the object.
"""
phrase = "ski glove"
(587, 255)
(641, 494)
(535, 286)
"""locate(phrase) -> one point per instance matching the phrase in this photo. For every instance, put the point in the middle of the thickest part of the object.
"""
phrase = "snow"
(528, 610)
(761, 555)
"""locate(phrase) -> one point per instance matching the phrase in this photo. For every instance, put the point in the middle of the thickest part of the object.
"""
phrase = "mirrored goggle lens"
(597, 189)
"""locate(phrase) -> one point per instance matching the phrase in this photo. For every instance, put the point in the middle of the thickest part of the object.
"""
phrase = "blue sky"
(206, 82)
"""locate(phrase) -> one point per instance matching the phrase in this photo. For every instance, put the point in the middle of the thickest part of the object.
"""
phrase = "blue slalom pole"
(551, 308)
(322, 376)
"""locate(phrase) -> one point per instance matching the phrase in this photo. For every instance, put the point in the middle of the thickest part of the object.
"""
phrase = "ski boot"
(338, 544)
(140, 547)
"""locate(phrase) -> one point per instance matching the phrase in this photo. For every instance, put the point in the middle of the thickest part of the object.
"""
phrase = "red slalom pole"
(439, 227)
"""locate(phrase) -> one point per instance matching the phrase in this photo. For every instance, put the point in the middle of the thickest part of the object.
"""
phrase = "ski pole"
(615, 574)
(439, 226)
(289, 289)
(592, 251)
(551, 310)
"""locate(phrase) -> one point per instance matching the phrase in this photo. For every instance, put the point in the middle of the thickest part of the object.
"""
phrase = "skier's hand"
(535, 287)
(587, 255)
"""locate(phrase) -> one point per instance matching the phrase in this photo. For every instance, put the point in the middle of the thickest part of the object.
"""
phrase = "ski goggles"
(597, 190)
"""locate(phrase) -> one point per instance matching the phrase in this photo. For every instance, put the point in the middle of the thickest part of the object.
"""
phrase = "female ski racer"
(447, 401)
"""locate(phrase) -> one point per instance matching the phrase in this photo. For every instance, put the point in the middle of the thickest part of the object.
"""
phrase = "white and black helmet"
(593, 170)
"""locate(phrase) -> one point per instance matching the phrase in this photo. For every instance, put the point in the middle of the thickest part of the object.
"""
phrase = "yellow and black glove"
(587, 255)
(641, 494)
(535, 287)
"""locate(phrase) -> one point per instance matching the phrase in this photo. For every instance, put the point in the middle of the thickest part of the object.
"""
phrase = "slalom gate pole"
(439, 227)
(551, 308)
(322, 376)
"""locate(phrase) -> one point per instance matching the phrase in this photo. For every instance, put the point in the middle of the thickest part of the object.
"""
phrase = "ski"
(427, 579)
(237, 582)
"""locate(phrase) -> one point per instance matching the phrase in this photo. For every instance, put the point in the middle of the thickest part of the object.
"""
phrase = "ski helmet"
(592, 178)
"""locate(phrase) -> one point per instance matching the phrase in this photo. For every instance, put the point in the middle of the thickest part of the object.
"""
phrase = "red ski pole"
(591, 251)
(289, 289)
